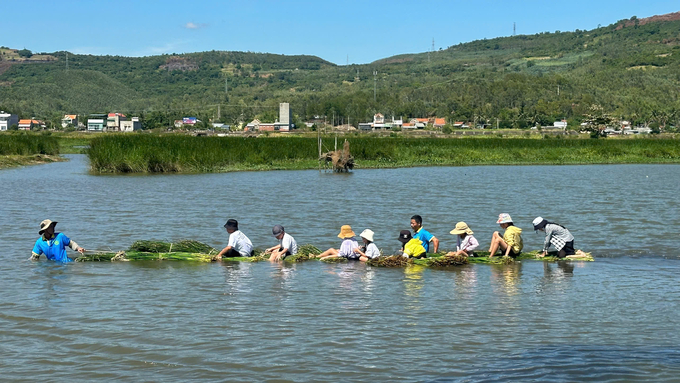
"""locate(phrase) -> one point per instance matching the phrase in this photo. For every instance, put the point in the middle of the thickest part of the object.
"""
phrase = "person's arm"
(74, 246)
(224, 251)
(546, 242)
(35, 254)
(435, 243)
(471, 245)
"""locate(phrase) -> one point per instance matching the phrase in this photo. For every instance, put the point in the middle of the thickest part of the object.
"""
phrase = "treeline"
(632, 73)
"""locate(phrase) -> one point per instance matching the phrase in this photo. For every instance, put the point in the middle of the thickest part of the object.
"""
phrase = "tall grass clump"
(179, 153)
(27, 144)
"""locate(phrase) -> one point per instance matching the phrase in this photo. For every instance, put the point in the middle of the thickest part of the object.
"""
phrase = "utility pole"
(67, 61)
(558, 90)
(514, 28)
(218, 111)
(375, 83)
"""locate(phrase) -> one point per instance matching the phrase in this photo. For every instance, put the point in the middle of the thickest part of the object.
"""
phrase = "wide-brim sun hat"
(346, 232)
(368, 234)
(404, 236)
(44, 225)
(461, 227)
(504, 218)
(539, 223)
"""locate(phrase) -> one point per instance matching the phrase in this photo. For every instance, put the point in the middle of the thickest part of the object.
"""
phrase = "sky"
(351, 31)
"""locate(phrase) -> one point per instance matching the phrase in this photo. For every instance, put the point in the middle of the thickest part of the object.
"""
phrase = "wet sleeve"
(36, 249)
(546, 242)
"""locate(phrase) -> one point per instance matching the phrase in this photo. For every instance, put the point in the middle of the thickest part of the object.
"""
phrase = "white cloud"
(191, 25)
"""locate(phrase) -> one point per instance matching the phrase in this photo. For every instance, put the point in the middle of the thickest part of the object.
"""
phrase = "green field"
(187, 154)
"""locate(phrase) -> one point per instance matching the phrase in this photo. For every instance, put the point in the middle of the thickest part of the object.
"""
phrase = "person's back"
(241, 243)
(513, 237)
(347, 248)
(414, 248)
(288, 242)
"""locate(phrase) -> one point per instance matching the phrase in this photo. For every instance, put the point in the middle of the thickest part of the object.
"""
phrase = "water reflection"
(53, 279)
(506, 278)
(238, 277)
(413, 286)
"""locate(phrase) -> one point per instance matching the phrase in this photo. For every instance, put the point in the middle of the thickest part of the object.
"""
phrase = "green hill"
(630, 68)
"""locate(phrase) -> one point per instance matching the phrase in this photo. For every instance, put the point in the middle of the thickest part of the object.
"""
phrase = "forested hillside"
(629, 69)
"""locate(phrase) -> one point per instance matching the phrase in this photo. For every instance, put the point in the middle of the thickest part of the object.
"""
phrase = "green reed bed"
(179, 153)
(27, 144)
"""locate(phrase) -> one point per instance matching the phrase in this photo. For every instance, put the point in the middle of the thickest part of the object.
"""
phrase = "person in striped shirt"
(555, 235)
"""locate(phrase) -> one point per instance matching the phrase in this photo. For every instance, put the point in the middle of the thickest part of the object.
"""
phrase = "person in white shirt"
(287, 245)
(467, 243)
(239, 245)
(369, 250)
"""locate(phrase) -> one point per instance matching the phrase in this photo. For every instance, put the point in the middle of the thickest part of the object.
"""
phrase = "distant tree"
(25, 53)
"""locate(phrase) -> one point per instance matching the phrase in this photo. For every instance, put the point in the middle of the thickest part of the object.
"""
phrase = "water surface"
(615, 319)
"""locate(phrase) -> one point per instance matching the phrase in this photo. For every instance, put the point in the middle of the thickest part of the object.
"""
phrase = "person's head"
(461, 229)
(416, 222)
(231, 226)
(367, 236)
(278, 231)
(47, 228)
(539, 223)
(404, 236)
(346, 232)
(504, 220)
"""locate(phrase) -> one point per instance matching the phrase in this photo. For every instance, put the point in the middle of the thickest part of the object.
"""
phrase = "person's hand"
(81, 250)
(541, 255)
(34, 257)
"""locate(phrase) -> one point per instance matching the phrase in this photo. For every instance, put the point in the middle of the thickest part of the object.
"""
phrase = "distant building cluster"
(283, 124)
(112, 122)
(381, 123)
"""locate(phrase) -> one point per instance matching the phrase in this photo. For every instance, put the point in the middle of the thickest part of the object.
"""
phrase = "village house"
(130, 126)
(439, 122)
(253, 125)
(7, 120)
(96, 124)
(419, 123)
(69, 119)
(113, 121)
(30, 124)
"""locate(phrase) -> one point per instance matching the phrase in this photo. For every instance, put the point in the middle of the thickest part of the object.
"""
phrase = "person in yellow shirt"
(412, 247)
(511, 242)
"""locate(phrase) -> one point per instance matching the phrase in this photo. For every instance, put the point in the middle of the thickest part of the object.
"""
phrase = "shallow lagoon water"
(614, 319)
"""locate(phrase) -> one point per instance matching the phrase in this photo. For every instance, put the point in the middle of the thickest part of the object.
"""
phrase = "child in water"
(369, 250)
(467, 243)
(412, 247)
(511, 242)
(348, 247)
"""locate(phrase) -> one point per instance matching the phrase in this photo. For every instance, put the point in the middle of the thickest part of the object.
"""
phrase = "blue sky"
(364, 31)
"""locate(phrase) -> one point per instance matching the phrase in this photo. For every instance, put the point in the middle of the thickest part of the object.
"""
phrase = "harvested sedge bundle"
(390, 261)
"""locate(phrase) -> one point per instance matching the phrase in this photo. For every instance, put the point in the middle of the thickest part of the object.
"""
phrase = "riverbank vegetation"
(188, 154)
(629, 70)
(27, 149)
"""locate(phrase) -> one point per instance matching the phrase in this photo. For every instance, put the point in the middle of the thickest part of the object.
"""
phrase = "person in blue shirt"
(53, 245)
(423, 235)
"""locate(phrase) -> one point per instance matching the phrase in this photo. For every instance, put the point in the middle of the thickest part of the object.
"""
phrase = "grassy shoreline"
(20, 149)
(186, 154)
(13, 161)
